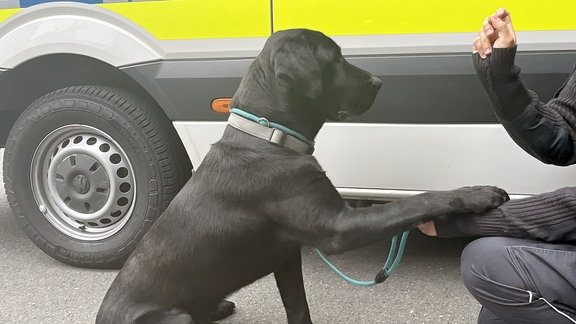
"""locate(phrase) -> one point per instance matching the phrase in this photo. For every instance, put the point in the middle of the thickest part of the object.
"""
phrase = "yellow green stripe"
(188, 19)
(193, 19)
(345, 17)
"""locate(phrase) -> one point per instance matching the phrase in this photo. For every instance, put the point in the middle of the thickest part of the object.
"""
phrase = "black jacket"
(547, 131)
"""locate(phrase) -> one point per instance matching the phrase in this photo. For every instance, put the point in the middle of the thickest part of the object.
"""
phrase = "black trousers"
(521, 281)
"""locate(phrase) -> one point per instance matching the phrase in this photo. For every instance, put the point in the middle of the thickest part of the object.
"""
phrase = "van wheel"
(88, 169)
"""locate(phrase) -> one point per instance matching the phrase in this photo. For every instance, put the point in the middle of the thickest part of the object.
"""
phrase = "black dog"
(253, 202)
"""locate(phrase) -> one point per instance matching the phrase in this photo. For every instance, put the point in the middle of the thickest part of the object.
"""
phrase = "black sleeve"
(544, 130)
(549, 217)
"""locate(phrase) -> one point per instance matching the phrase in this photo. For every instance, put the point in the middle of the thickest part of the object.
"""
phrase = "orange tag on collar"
(221, 105)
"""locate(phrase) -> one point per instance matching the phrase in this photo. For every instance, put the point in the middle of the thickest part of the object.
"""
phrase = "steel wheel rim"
(83, 182)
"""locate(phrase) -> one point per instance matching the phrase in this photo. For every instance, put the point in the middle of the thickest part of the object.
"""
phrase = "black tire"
(88, 169)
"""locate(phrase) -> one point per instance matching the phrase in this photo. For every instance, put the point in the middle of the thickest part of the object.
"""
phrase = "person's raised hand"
(497, 32)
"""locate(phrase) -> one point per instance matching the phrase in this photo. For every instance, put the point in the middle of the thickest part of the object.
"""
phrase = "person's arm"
(548, 217)
(544, 130)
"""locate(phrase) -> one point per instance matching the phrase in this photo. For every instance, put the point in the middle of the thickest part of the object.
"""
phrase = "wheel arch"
(57, 45)
(75, 28)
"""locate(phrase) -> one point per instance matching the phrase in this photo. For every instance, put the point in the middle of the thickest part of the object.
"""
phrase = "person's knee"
(482, 260)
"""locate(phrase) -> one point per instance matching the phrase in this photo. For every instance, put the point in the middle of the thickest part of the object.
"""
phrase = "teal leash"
(389, 266)
(393, 257)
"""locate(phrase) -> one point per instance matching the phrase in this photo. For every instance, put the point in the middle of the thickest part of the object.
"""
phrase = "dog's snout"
(376, 83)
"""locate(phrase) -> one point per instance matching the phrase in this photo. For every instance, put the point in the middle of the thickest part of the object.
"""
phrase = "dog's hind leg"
(291, 285)
(225, 308)
(203, 310)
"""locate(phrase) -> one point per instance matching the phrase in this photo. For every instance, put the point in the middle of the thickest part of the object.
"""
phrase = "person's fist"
(497, 32)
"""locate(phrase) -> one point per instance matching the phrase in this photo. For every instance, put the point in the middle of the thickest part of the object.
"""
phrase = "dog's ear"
(296, 66)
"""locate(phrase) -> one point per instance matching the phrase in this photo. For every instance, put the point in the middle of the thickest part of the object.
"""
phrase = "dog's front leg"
(291, 285)
(335, 227)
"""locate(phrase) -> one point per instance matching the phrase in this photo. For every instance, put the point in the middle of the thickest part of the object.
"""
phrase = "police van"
(105, 105)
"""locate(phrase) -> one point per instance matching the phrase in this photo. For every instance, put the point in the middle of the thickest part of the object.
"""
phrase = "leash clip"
(381, 276)
(386, 271)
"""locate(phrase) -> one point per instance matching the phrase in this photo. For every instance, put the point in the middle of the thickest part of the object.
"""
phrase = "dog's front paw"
(478, 199)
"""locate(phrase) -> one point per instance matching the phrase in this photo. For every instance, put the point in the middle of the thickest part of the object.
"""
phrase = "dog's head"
(301, 79)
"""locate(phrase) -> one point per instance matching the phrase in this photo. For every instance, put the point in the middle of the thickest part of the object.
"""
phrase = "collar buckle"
(277, 137)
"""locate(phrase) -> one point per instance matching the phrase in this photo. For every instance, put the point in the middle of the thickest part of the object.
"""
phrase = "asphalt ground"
(426, 287)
